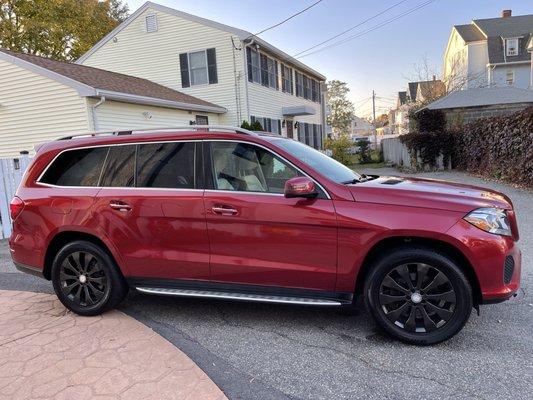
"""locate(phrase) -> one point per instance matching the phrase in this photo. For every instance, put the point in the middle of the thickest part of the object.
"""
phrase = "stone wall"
(461, 116)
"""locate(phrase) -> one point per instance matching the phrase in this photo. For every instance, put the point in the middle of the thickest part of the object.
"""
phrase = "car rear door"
(151, 206)
(257, 236)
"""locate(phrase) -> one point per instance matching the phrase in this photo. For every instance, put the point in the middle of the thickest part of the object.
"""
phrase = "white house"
(42, 99)
(224, 65)
(490, 52)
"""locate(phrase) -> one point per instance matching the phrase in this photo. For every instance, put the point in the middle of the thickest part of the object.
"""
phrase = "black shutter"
(212, 65)
(264, 70)
(276, 72)
(279, 127)
(291, 81)
(184, 67)
(249, 62)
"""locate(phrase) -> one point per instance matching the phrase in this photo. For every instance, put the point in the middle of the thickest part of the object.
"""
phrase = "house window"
(315, 87)
(268, 124)
(511, 46)
(509, 77)
(307, 88)
(151, 23)
(198, 68)
(299, 84)
(286, 79)
(254, 65)
(269, 72)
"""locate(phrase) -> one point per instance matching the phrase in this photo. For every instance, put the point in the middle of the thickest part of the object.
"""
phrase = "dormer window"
(511, 46)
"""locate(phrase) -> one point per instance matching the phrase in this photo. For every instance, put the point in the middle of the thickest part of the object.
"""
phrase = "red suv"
(227, 213)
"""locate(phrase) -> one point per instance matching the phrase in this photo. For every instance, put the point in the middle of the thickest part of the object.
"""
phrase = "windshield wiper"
(352, 181)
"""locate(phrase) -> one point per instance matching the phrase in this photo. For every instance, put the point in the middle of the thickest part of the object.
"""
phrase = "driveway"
(259, 351)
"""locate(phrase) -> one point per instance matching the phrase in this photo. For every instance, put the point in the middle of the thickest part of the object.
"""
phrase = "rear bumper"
(29, 269)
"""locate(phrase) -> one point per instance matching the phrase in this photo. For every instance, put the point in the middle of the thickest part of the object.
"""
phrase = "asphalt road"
(258, 351)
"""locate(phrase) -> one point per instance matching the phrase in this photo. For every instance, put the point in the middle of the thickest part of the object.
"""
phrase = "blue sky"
(382, 60)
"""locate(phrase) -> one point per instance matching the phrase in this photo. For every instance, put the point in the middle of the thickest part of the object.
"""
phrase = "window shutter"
(252, 119)
(277, 75)
(212, 65)
(151, 23)
(291, 81)
(264, 70)
(249, 62)
(184, 67)
(279, 127)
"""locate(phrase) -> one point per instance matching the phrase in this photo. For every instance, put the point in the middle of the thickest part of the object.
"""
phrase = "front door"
(257, 236)
(155, 215)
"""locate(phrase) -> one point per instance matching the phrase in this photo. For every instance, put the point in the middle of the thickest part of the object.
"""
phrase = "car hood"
(427, 193)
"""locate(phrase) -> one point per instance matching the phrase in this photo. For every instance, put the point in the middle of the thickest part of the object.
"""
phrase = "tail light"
(15, 207)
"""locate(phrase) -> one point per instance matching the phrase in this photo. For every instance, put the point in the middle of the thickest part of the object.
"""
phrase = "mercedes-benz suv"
(231, 214)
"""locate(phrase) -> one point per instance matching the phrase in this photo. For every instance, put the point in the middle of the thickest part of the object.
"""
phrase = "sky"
(384, 59)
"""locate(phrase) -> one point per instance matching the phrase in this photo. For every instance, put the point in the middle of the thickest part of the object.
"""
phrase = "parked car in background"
(228, 213)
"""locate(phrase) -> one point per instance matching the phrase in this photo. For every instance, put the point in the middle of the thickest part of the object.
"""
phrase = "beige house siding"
(112, 115)
(155, 56)
(35, 109)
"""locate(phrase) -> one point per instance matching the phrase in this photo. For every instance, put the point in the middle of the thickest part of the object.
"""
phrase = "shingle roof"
(469, 33)
(412, 88)
(100, 79)
(483, 97)
(402, 98)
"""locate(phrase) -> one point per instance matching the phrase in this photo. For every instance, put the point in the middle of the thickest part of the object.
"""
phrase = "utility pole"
(374, 108)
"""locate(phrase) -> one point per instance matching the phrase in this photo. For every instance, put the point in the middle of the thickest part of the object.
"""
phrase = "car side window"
(119, 168)
(248, 168)
(76, 167)
(166, 165)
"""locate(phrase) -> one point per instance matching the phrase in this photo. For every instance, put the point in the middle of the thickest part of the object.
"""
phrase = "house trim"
(508, 63)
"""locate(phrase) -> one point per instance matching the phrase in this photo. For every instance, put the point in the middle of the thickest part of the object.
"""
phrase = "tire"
(420, 313)
(86, 279)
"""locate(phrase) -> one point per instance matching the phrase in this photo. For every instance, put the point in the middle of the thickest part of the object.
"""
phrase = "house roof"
(469, 33)
(412, 88)
(477, 97)
(240, 33)
(95, 82)
(425, 88)
(402, 98)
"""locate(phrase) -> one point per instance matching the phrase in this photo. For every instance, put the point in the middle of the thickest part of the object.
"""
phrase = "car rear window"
(80, 167)
(119, 170)
(166, 165)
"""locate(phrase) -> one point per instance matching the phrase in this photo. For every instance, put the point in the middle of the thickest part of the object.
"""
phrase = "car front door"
(151, 206)
(256, 235)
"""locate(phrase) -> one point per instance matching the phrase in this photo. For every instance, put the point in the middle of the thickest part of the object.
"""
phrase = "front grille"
(508, 269)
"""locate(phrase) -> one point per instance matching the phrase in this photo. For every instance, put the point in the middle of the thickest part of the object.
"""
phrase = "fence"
(395, 152)
(11, 172)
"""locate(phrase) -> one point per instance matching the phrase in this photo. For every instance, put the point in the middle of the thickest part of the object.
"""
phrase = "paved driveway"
(257, 351)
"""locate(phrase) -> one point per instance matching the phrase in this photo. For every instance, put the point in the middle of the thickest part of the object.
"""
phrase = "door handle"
(119, 205)
(221, 210)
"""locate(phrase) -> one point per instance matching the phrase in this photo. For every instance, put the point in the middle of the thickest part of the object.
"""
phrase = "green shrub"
(364, 151)
(340, 149)
(428, 146)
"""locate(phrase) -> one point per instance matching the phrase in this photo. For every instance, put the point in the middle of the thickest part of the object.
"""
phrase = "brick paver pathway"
(47, 352)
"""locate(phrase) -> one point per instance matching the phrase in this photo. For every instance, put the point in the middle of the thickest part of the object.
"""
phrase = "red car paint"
(258, 239)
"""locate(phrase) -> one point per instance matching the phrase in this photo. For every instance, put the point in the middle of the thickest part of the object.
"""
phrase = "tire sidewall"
(446, 265)
(107, 265)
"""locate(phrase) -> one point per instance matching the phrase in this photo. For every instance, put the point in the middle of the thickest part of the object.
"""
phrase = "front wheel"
(418, 295)
(86, 279)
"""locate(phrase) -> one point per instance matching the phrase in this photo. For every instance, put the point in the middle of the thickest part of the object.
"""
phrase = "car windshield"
(327, 166)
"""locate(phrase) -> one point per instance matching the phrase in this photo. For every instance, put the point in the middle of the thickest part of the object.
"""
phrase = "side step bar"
(239, 296)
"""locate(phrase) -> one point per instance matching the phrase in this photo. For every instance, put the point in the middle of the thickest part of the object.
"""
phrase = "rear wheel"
(86, 279)
(418, 295)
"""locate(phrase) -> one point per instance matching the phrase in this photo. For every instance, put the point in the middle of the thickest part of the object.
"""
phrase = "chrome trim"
(243, 192)
(238, 296)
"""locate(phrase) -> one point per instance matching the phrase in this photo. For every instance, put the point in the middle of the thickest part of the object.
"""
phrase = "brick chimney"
(506, 13)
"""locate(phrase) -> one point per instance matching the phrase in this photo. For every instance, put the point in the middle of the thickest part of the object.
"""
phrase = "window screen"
(166, 165)
(76, 168)
(119, 167)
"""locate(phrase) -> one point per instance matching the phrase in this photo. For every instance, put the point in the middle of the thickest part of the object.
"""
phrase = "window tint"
(166, 165)
(244, 167)
(76, 168)
(119, 167)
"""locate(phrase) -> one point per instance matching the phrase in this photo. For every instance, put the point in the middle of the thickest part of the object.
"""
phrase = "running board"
(264, 298)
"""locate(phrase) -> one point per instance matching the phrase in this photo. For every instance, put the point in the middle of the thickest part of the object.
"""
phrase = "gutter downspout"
(246, 82)
(95, 119)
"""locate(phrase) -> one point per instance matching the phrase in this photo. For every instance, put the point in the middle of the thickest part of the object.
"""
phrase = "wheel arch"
(387, 245)
(60, 239)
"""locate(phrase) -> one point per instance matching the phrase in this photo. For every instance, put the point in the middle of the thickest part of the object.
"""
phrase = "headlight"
(492, 220)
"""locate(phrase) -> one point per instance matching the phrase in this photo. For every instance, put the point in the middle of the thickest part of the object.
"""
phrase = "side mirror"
(301, 186)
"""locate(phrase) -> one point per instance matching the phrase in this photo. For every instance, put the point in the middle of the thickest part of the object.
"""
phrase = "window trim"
(517, 40)
(152, 15)
(510, 71)
(190, 69)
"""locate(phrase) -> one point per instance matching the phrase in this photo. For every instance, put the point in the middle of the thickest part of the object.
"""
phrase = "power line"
(288, 18)
(351, 28)
(386, 22)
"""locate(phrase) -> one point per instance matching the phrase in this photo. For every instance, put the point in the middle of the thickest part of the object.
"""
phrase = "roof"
(402, 98)
(240, 33)
(412, 88)
(477, 97)
(506, 27)
(427, 89)
(95, 82)
(469, 33)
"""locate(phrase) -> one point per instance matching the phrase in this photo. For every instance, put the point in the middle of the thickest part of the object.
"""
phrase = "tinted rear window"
(166, 165)
(119, 167)
(76, 168)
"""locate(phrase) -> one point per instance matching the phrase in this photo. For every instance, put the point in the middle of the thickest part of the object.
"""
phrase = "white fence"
(395, 152)
(11, 172)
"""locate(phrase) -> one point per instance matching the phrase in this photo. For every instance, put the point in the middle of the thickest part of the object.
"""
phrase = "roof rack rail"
(161, 129)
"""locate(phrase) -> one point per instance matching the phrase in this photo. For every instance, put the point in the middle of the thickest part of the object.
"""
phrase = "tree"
(340, 149)
(341, 110)
(59, 29)
(381, 120)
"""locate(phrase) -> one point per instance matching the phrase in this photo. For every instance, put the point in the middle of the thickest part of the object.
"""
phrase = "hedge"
(497, 147)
